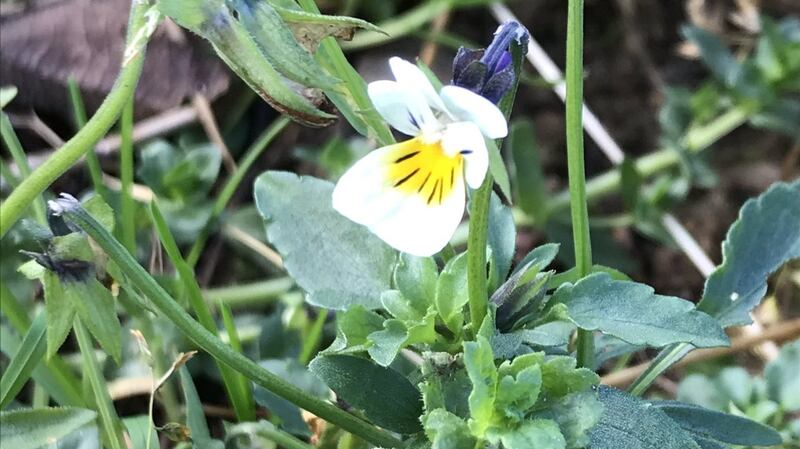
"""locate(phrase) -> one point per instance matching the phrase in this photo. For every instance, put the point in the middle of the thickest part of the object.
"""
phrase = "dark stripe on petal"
(406, 157)
(400, 182)
(424, 182)
(435, 188)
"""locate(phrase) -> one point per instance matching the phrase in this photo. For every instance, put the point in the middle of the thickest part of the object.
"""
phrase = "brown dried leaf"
(43, 47)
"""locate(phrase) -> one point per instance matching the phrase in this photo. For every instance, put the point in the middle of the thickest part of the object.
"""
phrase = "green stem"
(246, 400)
(399, 26)
(476, 253)
(21, 160)
(249, 295)
(313, 337)
(230, 379)
(697, 140)
(127, 203)
(109, 420)
(79, 114)
(212, 344)
(19, 199)
(283, 439)
(242, 167)
(666, 358)
(577, 177)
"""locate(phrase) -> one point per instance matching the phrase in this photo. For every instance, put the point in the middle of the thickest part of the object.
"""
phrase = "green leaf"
(560, 377)
(310, 28)
(386, 397)
(60, 312)
(285, 414)
(576, 414)
(715, 54)
(630, 184)
(195, 417)
(138, 428)
(479, 362)
(626, 310)
(783, 382)
(27, 428)
(416, 278)
(497, 167)
(7, 93)
(631, 423)
(96, 308)
(22, 364)
(538, 433)
(764, 237)
(501, 238)
(338, 262)
(213, 21)
(388, 342)
(447, 431)
(452, 294)
(529, 179)
(278, 44)
(711, 424)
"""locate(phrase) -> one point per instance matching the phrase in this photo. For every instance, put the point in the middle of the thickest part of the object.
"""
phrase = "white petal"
(413, 78)
(466, 105)
(404, 109)
(403, 220)
(466, 138)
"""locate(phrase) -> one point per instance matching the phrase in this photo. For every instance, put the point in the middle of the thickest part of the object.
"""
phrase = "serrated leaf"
(560, 377)
(628, 422)
(765, 236)
(719, 426)
(31, 428)
(715, 54)
(388, 342)
(338, 262)
(353, 328)
(447, 431)
(538, 433)
(783, 381)
(479, 362)
(451, 292)
(386, 397)
(627, 310)
(310, 28)
(22, 364)
(575, 414)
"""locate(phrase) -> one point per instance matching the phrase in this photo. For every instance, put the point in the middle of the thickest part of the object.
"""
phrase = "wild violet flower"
(489, 72)
(412, 194)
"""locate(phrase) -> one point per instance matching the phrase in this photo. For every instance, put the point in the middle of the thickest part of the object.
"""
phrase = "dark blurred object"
(41, 47)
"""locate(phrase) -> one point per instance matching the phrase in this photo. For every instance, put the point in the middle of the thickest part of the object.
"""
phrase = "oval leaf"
(386, 397)
(706, 423)
(40, 427)
(338, 262)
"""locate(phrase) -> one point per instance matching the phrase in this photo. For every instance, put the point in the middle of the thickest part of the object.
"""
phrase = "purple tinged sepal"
(489, 72)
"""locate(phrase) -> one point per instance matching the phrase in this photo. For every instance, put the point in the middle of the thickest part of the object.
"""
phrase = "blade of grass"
(79, 115)
(247, 295)
(245, 389)
(5, 172)
(41, 178)
(30, 353)
(127, 203)
(21, 160)
(204, 339)
(283, 439)
(313, 337)
(245, 411)
(195, 417)
(250, 156)
(109, 421)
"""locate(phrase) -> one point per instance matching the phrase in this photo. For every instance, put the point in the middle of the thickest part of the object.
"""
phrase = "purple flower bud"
(489, 72)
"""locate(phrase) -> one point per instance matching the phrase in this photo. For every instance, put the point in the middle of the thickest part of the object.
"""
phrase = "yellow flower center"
(420, 167)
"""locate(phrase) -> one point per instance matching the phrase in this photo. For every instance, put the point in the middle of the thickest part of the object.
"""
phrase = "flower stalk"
(575, 164)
